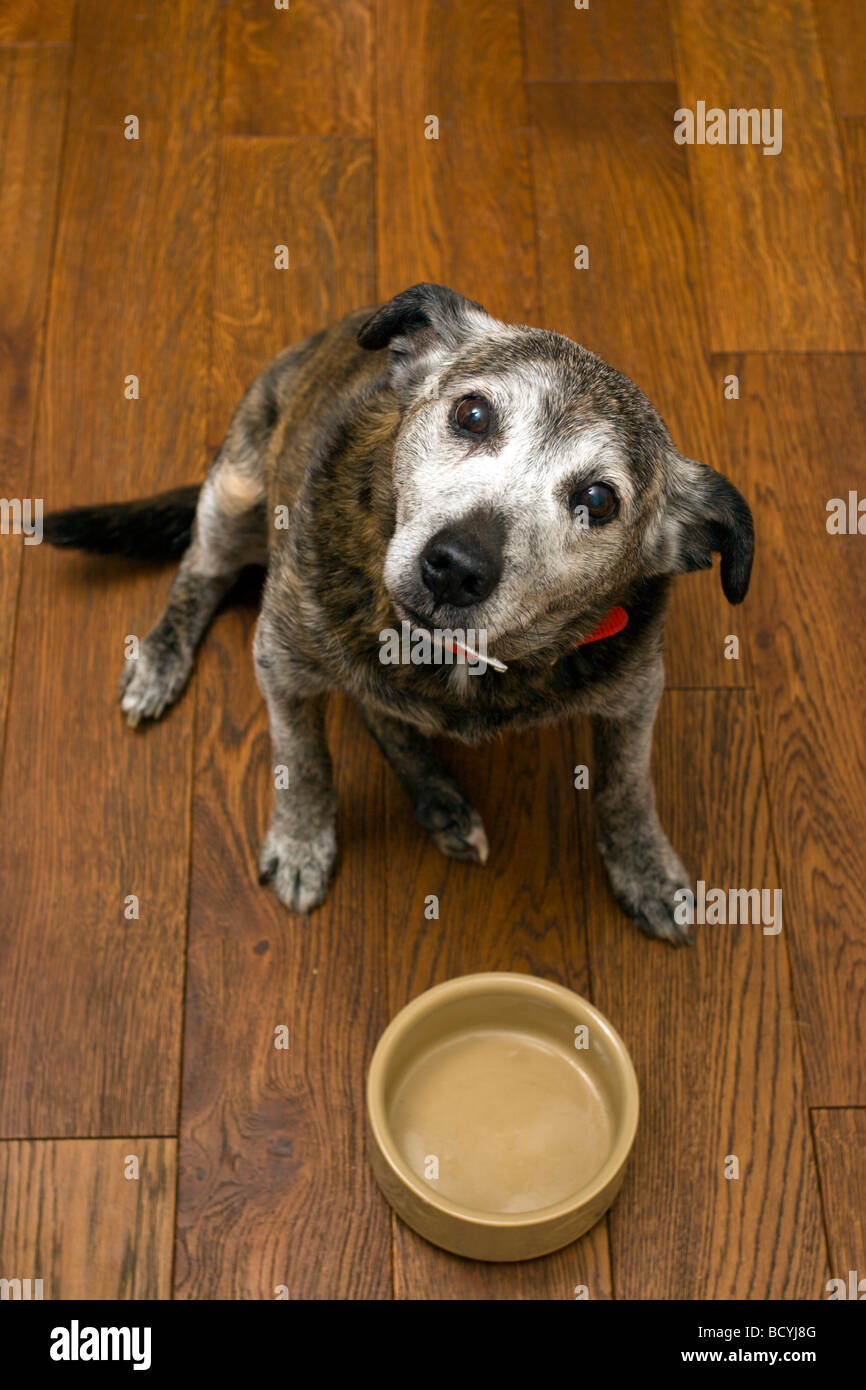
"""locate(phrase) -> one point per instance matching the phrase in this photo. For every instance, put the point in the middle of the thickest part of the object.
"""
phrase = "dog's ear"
(706, 515)
(419, 325)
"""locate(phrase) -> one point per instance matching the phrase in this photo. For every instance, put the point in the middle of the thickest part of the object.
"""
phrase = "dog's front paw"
(152, 681)
(453, 824)
(647, 892)
(299, 868)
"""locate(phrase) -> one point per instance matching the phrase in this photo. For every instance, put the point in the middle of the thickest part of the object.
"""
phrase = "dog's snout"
(462, 564)
(458, 572)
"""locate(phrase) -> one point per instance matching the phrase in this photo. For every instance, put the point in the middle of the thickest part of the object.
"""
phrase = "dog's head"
(533, 482)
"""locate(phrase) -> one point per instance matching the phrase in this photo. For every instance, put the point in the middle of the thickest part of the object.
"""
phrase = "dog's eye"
(472, 414)
(601, 502)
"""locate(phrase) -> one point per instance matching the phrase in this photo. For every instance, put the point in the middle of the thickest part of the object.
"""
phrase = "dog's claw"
(267, 871)
(476, 837)
(661, 928)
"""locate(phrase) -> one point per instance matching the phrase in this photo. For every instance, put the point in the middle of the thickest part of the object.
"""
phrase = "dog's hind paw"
(453, 824)
(152, 681)
(300, 869)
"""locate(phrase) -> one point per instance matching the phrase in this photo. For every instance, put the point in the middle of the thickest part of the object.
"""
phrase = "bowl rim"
(510, 982)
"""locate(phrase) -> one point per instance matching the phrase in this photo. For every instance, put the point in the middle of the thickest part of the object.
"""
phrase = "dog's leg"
(300, 849)
(449, 818)
(644, 871)
(228, 533)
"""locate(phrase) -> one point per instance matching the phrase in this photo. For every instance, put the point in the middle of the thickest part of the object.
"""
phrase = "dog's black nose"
(462, 564)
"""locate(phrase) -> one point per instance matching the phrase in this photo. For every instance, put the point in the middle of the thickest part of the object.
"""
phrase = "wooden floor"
(152, 1038)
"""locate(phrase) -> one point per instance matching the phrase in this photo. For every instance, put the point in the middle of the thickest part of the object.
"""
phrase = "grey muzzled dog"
(495, 493)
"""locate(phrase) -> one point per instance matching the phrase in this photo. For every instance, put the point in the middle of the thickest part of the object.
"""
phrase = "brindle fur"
(318, 433)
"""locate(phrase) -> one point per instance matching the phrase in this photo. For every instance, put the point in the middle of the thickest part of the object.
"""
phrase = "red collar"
(612, 623)
(614, 620)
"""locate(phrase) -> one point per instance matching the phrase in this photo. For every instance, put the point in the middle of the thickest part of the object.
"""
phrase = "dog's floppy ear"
(419, 325)
(706, 515)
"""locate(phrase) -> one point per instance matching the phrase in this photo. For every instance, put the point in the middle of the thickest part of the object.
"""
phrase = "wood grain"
(70, 1216)
(842, 28)
(779, 267)
(32, 112)
(629, 42)
(637, 303)
(303, 70)
(275, 1188)
(457, 209)
(840, 1141)
(91, 812)
(802, 424)
(33, 21)
(713, 1034)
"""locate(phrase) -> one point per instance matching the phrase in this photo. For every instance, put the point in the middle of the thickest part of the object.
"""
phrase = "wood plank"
(32, 109)
(779, 269)
(32, 21)
(275, 1187)
(93, 813)
(801, 421)
(852, 133)
(523, 911)
(636, 304)
(714, 1037)
(457, 209)
(840, 1140)
(71, 1216)
(256, 307)
(630, 43)
(303, 70)
(842, 27)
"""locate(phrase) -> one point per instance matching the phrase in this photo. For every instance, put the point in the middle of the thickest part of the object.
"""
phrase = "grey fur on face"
(525, 476)
(437, 465)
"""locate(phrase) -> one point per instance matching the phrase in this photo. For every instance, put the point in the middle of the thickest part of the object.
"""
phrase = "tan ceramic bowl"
(492, 1131)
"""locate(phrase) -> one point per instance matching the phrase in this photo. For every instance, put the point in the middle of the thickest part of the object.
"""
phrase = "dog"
(427, 466)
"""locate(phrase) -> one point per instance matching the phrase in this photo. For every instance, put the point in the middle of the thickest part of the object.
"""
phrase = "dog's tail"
(148, 528)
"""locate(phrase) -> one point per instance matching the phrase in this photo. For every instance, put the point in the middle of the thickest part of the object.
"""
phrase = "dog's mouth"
(454, 642)
(512, 644)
